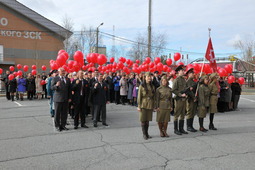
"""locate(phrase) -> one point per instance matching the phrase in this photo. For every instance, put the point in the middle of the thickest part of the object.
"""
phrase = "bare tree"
(247, 46)
(67, 23)
(140, 50)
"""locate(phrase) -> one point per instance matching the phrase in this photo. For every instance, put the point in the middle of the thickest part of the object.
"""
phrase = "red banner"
(209, 55)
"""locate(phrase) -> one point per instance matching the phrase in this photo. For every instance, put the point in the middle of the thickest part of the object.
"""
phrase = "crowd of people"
(82, 93)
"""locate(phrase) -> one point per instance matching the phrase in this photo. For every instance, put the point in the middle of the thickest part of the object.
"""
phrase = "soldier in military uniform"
(146, 103)
(203, 101)
(164, 106)
(191, 103)
(214, 90)
(179, 88)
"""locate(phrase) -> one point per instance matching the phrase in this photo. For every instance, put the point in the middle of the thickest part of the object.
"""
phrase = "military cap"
(213, 75)
(203, 77)
(164, 77)
(147, 74)
(156, 72)
(191, 70)
(180, 67)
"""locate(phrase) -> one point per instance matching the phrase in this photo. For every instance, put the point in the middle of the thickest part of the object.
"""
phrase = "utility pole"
(113, 42)
(97, 36)
(149, 31)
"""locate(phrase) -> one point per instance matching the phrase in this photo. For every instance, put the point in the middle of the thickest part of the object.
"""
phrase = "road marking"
(18, 103)
(248, 99)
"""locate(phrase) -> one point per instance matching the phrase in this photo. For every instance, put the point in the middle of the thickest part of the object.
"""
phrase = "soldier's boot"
(147, 129)
(12, 96)
(181, 125)
(176, 131)
(160, 129)
(211, 125)
(165, 129)
(201, 124)
(143, 130)
(191, 124)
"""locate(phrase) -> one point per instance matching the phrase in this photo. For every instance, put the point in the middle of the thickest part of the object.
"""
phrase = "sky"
(185, 22)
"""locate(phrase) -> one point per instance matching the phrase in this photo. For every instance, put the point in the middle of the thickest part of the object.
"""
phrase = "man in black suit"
(156, 80)
(100, 94)
(111, 86)
(80, 87)
(62, 96)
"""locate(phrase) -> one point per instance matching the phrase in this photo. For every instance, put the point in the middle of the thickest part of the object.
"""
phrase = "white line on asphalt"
(18, 103)
(248, 99)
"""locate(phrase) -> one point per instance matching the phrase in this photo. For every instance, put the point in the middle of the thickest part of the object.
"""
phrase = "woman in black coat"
(13, 88)
(222, 107)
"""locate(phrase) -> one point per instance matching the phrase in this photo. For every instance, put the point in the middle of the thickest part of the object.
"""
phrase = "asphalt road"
(28, 141)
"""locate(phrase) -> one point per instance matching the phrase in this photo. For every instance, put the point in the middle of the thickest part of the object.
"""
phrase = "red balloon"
(152, 65)
(43, 67)
(66, 68)
(128, 61)
(165, 68)
(61, 60)
(93, 58)
(11, 76)
(241, 80)
(135, 69)
(229, 68)
(113, 70)
(33, 72)
(159, 66)
(43, 82)
(101, 59)
(123, 60)
(169, 69)
(33, 67)
(196, 66)
(66, 55)
(231, 79)
(1, 71)
(177, 56)
(169, 61)
(222, 72)
(137, 61)
(84, 68)
(54, 66)
(61, 51)
(51, 61)
(157, 60)
(78, 56)
(112, 59)
(147, 60)
(25, 68)
(19, 66)
(11, 68)
(70, 64)
(20, 73)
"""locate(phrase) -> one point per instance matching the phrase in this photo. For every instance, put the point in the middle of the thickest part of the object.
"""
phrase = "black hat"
(191, 70)
(180, 67)
(156, 72)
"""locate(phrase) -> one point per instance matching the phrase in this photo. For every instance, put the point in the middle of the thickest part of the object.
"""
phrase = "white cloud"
(233, 40)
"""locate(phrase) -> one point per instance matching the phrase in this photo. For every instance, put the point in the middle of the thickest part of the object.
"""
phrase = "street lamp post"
(97, 36)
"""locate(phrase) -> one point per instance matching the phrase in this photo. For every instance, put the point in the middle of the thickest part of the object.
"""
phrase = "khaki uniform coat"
(191, 106)
(213, 97)
(203, 100)
(179, 85)
(146, 102)
(164, 103)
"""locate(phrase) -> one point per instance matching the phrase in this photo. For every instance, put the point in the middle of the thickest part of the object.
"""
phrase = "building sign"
(15, 33)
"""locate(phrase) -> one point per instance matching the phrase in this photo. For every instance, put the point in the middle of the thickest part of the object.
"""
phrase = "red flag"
(209, 55)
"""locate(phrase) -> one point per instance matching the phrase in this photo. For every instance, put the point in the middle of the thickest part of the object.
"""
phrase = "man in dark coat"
(6, 83)
(156, 79)
(100, 94)
(62, 96)
(111, 86)
(44, 77)
(80, 87)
